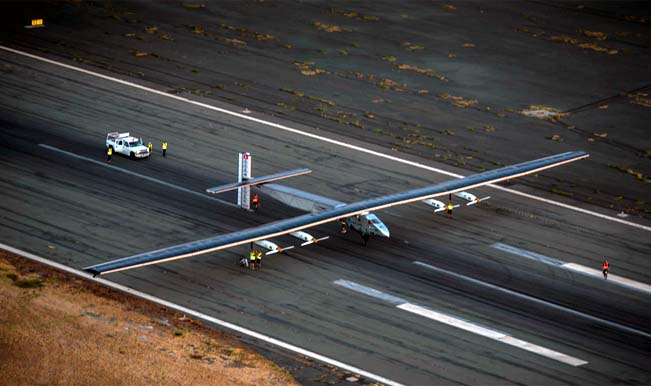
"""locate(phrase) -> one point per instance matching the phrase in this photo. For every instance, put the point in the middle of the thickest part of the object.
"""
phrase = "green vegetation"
(30, 281)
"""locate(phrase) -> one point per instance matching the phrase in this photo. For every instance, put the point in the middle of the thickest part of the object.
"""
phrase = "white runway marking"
(202, 195)
(465, 325)
(202, 316)
(619, 280)
(321, 138)
(369, 291)
(492, 334)
(536, 300)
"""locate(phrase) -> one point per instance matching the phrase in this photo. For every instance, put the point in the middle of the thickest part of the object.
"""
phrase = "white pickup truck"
(125, 144)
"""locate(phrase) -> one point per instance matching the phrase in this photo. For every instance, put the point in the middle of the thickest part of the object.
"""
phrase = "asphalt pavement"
(513, 315)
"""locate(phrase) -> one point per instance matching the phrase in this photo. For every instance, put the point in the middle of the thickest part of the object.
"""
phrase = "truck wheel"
(132, 156)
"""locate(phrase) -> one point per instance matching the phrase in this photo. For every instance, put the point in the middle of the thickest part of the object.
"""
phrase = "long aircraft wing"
(294, 224)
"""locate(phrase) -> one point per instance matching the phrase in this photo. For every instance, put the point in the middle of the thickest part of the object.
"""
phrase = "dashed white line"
(615, 279)
(112, 167)
(202, 316)
(321, 138)
(492, 334)
(465, 325)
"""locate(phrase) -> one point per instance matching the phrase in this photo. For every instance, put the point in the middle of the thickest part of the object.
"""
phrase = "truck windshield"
(135, 143)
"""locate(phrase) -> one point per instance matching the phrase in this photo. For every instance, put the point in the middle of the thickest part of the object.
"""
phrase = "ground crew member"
(256, 201)
(344, 228)
(164, 146)
(449, 208)
(109, 153)
(150, 147)
(252, 259)
(604, 269)
(258, 256)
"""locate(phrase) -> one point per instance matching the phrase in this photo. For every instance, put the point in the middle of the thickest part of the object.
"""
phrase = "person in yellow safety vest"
(258, 256)
(252, 259)
(164, 146)
(449, 207)
(150, 147)
(109, 153)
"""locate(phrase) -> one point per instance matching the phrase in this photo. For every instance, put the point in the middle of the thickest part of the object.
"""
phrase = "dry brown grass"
(389, 84)
(328, 27)
(543, 112)
(247, 32)
(412, 47)
(73, 332)
(425, 71)
(459, 101)
(307, 69)
(640, 98)
(585, 45)
(595, 35)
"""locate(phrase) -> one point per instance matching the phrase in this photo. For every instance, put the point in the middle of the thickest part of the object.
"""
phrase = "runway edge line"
(199, 315)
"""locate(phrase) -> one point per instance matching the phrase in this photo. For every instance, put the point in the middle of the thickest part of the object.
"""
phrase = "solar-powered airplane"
(360, 210)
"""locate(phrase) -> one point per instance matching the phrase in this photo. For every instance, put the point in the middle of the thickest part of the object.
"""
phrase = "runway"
(440, 304)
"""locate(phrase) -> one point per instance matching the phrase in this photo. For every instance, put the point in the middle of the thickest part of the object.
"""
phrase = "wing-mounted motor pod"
(438, 205)
(471, 198)
(308, 238)
(272, 247)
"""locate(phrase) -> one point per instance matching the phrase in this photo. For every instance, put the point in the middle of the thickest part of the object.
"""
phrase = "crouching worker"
(244, 262)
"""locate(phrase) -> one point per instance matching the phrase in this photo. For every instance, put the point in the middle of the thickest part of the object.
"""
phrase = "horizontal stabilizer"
(258, 180)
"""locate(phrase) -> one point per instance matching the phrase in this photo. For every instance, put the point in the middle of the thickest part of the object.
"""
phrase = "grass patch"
(555, 137)
(412, 47)
(193, 5)
(637, 174)
(459, 101)
(293, 92)
(285, 106)
(308, 69)
(543, 112)
(562, 192)
(425, 71)
(595, 35)
(246, 32)
(354, 15)
(585, 45)
(139, 54)
(639, 98)
(328, 27)
(389, 84)
(30, 281)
